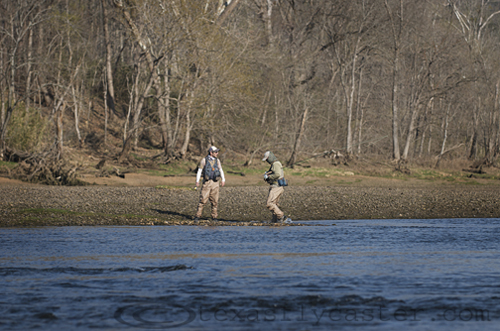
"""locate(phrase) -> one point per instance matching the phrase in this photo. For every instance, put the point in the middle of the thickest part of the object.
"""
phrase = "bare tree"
(396, 17)
(346, 40)
(21, 18)
(110, 101)
(473, 18)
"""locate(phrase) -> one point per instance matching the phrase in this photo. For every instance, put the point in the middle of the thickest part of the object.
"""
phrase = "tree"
(22, 16)
(473, 18)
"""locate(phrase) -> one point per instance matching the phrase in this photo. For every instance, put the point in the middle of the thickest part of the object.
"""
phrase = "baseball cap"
(266, 155)
(213, 149)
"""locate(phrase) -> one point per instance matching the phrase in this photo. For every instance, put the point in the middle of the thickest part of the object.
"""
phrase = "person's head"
(269, 157)
(213, 151)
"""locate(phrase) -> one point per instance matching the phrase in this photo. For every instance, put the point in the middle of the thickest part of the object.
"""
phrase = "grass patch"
(450, 177)
(139, 158)
(46, 211)
(343, 182)
(320, 172)
(471, 182)
(181, 167)
(168, 187)
(252, 170)
(154, 172)
(10, 165)
(32, 212)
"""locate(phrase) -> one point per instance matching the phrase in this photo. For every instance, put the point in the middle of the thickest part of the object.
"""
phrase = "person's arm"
(221, 172)
(200, 169)
(276, 170)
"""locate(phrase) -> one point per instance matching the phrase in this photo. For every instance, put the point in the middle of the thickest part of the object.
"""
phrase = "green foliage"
(138, 158)
(27, 129)
(9, 165)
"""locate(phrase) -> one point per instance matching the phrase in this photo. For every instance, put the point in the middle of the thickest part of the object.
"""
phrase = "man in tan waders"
(211, 170)
(275, 177)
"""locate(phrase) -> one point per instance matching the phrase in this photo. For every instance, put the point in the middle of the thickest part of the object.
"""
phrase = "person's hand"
(197, 184)
(223, 182)
(266, 176)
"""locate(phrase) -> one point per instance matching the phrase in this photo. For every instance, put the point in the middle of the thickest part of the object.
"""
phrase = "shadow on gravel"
(188, 217)
(173, 213)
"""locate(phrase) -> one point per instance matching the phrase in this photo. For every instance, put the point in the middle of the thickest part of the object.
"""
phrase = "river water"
(365, 274)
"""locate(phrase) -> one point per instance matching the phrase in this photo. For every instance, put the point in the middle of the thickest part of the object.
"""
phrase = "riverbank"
(24, 204)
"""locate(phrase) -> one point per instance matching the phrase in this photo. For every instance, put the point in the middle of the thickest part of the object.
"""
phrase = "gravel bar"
(37, 205)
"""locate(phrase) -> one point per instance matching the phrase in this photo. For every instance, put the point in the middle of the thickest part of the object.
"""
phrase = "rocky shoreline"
(36, 205)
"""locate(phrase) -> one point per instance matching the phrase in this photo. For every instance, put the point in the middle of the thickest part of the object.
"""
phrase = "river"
(441, 274)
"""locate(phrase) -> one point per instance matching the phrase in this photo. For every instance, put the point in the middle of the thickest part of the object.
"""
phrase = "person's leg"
(272, 200)
(214, 198)
(204, 195)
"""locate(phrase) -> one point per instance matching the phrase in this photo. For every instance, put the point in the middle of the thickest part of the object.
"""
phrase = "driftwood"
(335, 156)
(477, 166)
(236, 173)
(114, 172)
(43, 168)
(11, 155)
(402, 167)
(475, 171)
(100, 164)
(480, 163)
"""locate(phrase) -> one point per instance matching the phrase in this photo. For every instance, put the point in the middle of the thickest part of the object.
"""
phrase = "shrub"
(27, 129)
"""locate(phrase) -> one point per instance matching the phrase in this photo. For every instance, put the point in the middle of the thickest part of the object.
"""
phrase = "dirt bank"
(174, 201)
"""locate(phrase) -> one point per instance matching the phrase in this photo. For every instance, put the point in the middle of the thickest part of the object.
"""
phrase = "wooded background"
(404, 79)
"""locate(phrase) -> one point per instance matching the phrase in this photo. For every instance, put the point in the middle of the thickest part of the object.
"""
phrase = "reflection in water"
(429, 274)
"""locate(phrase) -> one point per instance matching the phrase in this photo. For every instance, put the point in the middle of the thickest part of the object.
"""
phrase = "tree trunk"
(187, 135)
(59, 130)
(189, 125)
(105, 84)
(473, 143)
(411, 128)
(268, 22)
(13, 65)
(445, 135)
(3, 127)
(350, 108)
(396, 34)
(493, 138)
(109, 70)
(357, 125)
(293, 157)
(28, 69)
(226, 12)
(137, 109)
(77, 117)
(126, 149)
(497, 106)
(164, 115)
(2, 108)
(424, 126)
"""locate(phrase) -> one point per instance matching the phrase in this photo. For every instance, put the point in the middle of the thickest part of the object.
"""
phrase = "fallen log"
(475, 171)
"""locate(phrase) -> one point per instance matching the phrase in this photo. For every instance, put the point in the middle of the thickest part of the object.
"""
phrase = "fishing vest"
(211, 170)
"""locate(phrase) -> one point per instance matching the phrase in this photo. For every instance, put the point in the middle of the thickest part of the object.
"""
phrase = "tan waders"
(273, 198)
(209, 191)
